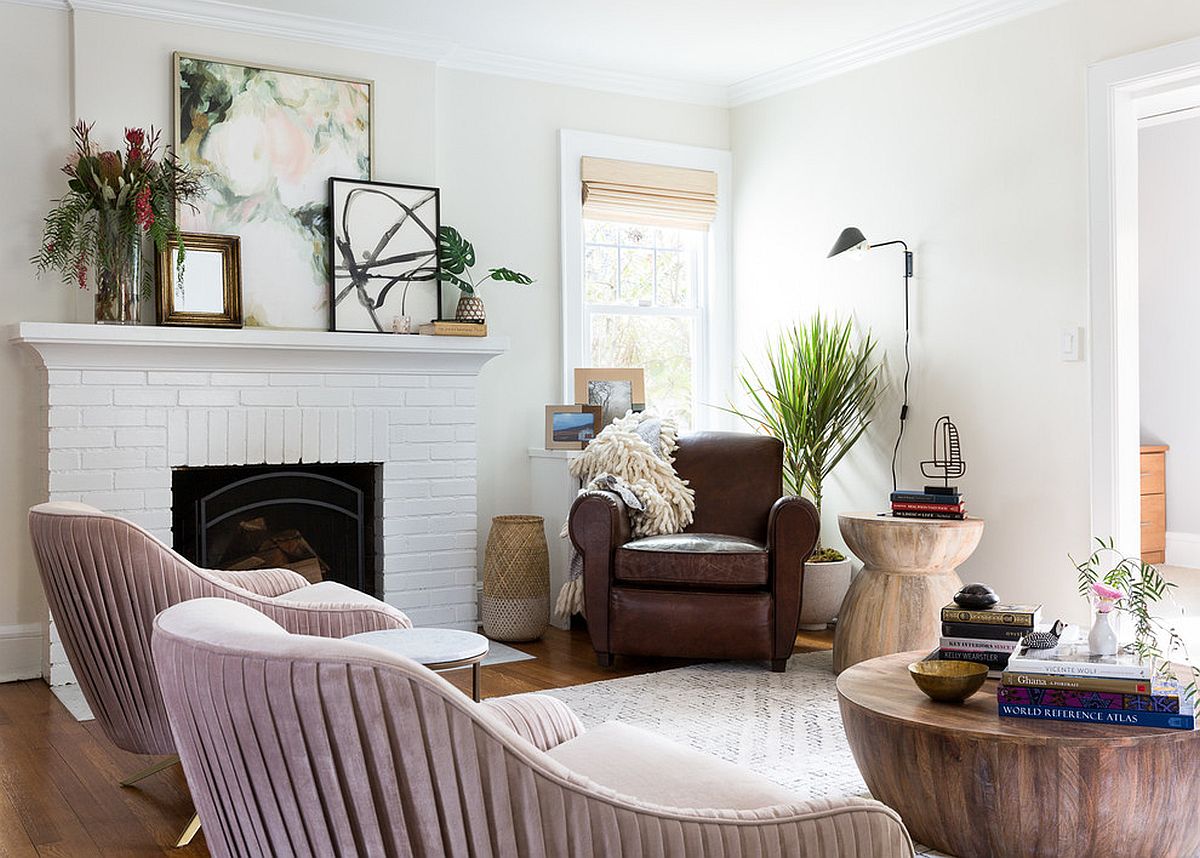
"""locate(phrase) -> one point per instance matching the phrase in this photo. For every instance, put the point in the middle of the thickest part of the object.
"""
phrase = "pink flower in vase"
(1106, 597)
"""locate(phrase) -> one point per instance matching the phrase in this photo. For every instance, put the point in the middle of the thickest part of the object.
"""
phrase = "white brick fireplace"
(126, 405)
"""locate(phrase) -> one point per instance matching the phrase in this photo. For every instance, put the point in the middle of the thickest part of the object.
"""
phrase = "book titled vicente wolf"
(1075, 660)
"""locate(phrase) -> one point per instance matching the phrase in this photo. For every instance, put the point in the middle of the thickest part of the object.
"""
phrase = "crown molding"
(56, 5)
(243, 18)
(902, 40)
(284, 25)
(567, 74)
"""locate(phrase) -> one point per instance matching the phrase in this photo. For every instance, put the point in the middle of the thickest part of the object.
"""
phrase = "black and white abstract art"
(384, 256)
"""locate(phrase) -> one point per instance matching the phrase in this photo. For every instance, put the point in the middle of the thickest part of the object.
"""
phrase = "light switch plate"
(1070, 344)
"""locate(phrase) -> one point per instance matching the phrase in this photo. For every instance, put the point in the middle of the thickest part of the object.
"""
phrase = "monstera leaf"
(510, 275)
(455, 252)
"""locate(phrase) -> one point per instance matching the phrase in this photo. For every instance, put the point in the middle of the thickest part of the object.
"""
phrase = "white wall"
(974, 151)
(1169, 307)
(490, 143)
(498, 170)
(37, 120)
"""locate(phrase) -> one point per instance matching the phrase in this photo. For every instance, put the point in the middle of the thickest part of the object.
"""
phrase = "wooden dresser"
(1154, 502)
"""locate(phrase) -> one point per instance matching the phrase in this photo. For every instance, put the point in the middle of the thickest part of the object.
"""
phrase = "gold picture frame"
(615, 389)
(214, 262)
(565, 433)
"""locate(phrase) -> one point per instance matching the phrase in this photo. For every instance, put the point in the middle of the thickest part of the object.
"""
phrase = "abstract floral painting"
(384, 243)
(270, 139)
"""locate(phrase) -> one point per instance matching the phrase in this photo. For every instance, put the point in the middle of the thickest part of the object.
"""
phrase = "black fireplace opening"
(318, 520)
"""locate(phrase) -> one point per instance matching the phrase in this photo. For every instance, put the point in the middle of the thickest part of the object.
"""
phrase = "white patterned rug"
(785, 726)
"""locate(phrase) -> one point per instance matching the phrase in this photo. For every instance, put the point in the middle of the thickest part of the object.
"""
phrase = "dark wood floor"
(58, 777)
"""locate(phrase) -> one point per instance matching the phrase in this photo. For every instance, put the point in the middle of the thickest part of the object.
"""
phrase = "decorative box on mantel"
(129, 405)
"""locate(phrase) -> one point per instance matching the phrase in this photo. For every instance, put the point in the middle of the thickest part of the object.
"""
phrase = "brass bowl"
(948, 681)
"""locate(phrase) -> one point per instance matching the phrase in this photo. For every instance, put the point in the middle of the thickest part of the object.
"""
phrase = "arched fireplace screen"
(318, 520)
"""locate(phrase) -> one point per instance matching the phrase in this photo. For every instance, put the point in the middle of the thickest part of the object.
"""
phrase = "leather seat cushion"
(693, 559)
(651, 768)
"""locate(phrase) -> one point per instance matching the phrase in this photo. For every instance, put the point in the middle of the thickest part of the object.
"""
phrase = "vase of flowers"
(1102, 639)
(1117, 584)
(115, 199)
(457, 257)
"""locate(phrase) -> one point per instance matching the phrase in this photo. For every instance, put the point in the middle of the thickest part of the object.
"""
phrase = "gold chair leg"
(145, 773)
(189, 832)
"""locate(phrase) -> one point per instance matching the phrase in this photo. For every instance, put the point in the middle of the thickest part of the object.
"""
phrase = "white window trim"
(715, 344)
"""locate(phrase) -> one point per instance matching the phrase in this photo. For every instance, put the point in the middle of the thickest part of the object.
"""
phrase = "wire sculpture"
(947, 463)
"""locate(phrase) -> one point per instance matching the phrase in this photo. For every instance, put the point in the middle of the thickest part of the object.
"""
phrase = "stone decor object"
(908, 576)
(976, 597)
(516, 579)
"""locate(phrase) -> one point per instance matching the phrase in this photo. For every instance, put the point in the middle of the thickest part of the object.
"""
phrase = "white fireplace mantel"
(126, 406)
(82, 346)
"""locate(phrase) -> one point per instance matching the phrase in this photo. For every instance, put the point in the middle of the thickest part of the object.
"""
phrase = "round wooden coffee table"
(909, 573)
(975, 785)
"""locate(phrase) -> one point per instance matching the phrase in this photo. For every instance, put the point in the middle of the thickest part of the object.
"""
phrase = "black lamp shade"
(850, 239)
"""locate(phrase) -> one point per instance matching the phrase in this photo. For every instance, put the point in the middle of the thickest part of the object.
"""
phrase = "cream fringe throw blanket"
(632, 456)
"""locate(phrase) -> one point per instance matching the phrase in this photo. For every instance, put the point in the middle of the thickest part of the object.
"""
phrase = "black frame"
(334, 250)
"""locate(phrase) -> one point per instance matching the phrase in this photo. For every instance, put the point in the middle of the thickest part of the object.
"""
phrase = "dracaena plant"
(1112, 580)
(816, 395)
(113, 198)
(457, 258)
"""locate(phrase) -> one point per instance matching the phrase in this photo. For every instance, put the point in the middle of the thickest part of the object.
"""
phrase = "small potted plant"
(457, 257)
(1116, 584)
(820, 388)
(115, 199)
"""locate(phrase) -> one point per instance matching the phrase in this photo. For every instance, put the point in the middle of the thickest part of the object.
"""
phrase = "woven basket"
(516, 579)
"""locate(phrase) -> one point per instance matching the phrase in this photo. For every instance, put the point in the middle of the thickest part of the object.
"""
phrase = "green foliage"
(826, 555)
(1143, 586)
(820, 389)
(457, 257)
(113, 199)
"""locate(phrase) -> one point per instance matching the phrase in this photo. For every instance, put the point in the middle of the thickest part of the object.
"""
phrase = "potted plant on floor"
(457, 257)
(816, 395)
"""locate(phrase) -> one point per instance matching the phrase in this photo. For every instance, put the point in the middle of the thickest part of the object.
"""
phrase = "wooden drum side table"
(909, 573)
(975, 785)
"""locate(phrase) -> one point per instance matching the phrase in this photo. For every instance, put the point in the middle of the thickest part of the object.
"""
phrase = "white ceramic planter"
(825, 585)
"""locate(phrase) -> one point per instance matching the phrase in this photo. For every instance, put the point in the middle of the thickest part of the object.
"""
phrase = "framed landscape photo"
(571, 427)
(268, 139)
(383, 265)
(207, 293)
(615, 390)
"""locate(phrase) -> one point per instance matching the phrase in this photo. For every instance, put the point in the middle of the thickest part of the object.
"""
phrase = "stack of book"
(988, 637)
(1067, 683)
(940, 502)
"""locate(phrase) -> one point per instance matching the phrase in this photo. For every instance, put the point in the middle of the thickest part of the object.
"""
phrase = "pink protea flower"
(1106, 597)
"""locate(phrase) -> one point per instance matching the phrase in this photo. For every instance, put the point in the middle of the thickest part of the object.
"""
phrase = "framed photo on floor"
(383, 263)
(206, 291)
(616, 390)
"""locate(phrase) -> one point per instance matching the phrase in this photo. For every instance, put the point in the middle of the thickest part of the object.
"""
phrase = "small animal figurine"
(976, 597)
(1044, 640)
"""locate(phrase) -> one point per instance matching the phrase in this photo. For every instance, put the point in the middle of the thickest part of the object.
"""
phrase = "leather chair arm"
(792, 531)
(598, 525)
(599, 522)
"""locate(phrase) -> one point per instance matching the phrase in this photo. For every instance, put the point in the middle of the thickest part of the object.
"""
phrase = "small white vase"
(1102, 640)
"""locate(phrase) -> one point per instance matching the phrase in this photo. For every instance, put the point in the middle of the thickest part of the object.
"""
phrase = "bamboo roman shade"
(648, 193)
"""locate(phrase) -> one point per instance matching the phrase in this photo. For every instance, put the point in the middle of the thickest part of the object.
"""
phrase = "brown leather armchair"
(728, 587)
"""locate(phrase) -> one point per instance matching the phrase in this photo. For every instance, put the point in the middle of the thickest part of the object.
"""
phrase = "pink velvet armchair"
(303, 746)
(106, 579)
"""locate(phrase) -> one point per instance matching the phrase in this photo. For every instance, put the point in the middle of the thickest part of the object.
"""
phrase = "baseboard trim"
(21, 651)
(1183, 549)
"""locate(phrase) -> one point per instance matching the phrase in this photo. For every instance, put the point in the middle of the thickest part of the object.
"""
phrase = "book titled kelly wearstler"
(1116, 718)
(1075, 660)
